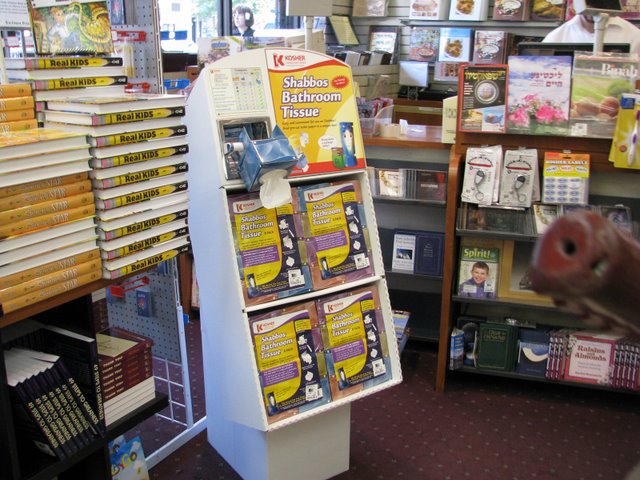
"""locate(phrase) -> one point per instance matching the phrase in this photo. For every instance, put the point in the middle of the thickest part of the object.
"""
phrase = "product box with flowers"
(539, 95)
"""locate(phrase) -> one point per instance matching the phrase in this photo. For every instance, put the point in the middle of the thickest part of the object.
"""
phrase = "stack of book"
(49, 408)
(126, 372)
(47, 231)
(61, 77)
(17, 108)
(139, 174)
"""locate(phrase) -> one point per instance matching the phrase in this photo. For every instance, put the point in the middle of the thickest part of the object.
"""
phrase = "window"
(182, 23)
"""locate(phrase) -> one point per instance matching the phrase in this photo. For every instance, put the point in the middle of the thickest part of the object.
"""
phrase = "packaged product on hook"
(481, 175)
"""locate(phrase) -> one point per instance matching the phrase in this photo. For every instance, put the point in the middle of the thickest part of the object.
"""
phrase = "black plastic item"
(177, 61)
(424, 93)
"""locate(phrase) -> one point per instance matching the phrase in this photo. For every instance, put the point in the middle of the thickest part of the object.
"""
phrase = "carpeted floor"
(482, 427)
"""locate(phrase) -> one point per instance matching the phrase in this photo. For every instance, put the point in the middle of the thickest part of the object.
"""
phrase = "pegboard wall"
(161, 324)
(147, 56)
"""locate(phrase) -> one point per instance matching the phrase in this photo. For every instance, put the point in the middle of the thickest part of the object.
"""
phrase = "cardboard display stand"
(310, 97)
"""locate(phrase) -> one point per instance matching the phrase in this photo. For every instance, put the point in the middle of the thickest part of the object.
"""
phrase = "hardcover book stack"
(47, 231)
(17, 108)
(126, 372)
(49, 408)
(139, 174)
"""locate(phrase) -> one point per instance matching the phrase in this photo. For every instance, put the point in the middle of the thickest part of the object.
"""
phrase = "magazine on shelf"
(479, 267)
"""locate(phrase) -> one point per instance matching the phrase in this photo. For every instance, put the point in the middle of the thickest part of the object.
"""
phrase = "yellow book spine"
(143, 195)
(146, 243)
(15, 90)
(140, 115)
(144, 225)
(136, 157)
(46, 208)
(140, 136)
(40, 184)
(146, 263)
(48, 292)
(46, 281)
(140, 176)
(18, 125)
(16, 103)
(13, 115)
(45, 221)
(44, 195)
(48, 268)
(64, 83)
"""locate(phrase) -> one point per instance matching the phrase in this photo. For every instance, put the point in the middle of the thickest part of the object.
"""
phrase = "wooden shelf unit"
(596, 147)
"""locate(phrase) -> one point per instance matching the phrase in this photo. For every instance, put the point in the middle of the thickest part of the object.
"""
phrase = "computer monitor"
(550, 48)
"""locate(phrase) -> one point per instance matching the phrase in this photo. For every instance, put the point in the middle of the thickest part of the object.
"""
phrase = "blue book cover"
(429, 253)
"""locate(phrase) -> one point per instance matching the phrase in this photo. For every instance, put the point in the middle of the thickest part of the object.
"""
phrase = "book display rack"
(528, 319)
(417, 212)
(248, 419)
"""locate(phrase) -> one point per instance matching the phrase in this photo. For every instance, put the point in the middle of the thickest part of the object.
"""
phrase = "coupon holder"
(265, 166)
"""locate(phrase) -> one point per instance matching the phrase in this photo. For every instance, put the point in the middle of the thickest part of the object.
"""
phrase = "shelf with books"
(486, 24)
(41, 467)
(510, 297)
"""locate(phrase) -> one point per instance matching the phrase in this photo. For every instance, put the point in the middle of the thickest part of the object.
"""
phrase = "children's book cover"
(269, 256)
(288, 350)
(80, 27)
(128, 462)
(483, 94)
(539, 93)
(596, 87)
(423, 44)
(479, 268)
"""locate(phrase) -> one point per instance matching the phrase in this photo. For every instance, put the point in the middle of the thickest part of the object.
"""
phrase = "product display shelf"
(72, 308)
(605, 180)
(419, 294)
(313, 444)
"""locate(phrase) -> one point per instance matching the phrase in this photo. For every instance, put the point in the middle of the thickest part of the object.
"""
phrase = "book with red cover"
(590, 357)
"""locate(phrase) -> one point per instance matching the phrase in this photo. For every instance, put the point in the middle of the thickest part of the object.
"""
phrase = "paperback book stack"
(139, 174)
(126, 372)
(17, 110)
(49, 409)
(54, 78)
(47, 230)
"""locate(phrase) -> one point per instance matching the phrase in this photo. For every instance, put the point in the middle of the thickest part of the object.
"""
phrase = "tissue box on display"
(263, 156)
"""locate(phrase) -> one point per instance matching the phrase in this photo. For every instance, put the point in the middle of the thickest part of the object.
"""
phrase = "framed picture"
(514, 274)
(383, 38)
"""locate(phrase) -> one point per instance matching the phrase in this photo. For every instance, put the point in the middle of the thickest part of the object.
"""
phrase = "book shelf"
(93, 461)
(614, 183)
(419, 294)
(237, 423)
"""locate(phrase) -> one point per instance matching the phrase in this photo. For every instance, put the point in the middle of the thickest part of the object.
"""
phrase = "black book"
(89, 414)
(80, 357)
(28, 371)
(30, 421)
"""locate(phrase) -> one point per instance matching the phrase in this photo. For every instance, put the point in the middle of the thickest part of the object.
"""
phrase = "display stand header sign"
(14, 14)
(314, 103)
